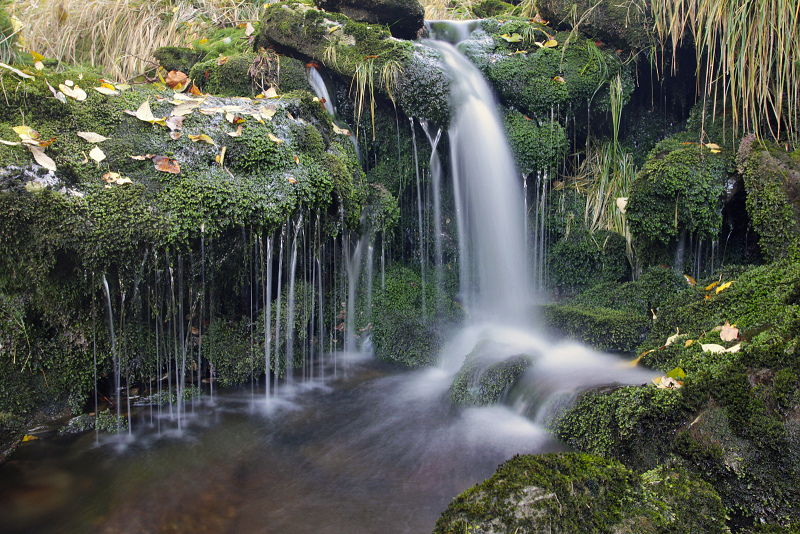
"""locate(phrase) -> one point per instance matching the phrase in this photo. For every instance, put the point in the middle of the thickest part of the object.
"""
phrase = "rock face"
(403, 17)
(568, 493)
(486, 375)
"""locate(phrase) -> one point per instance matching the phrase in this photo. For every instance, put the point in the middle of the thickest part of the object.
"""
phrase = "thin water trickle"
(420, 207)
(291, 303)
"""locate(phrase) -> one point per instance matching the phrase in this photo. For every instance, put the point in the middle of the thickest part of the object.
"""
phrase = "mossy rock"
(772, 181)
(491, 8)
(535, 147)
(679, 192)
(601, 328)
(484, 379)
(621, 26)
(645, 296)
(568, 492)
(404, 18)
(178, 58)
(583, 259)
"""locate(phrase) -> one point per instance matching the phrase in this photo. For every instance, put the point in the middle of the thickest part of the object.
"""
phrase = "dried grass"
(119, 36)
(747, 57)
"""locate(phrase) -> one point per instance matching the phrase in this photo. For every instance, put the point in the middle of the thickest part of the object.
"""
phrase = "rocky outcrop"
(403, 17)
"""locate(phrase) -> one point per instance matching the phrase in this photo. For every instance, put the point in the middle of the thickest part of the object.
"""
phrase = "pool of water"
(376, 450)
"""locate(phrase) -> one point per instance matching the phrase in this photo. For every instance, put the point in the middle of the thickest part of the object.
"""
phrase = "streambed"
(376, 450)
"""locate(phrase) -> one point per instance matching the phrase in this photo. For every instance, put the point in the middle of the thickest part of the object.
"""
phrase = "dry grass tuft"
(119, 36)
(747, 52)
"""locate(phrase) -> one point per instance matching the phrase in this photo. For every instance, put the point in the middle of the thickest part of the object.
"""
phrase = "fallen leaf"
(58, 94)
(513, 38)
(202, 137)
(712, 145)
(267, 113)
(290, 116)
(552, 43)
(673, 337)
(106, 91)
(559, 79)
(80, 94)
(249, 30)
(69, 83)
(194, 90)
(222, 60)
(97, 154)
(340, 131)
(667, 382)
(42, 158)
(122, 86)
(28, 437)
(111, 176)
(36, 55)
(711, 286)
(689, 280)
(92, 137)
(538, 18)
(271, 93)
(688, 343)
(141, 158)
(237, 133)
(724, 286)
(176, 78)
(274, 139)
(622, 204)
(296, 159)
(10, 143)
(220, 158)
(734, 348)
(26, 131)
(291, 180)
(164, 164)
(728, 332)
(144, 113)
(175, 135)
(713, 348)
(174, 122)
(38, 65)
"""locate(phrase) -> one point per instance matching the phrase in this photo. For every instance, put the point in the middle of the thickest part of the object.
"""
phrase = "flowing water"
(371, 450)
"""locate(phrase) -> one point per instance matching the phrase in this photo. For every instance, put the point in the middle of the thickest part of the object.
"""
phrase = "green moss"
(482, 380)
(232, 78)
(178, 58)
(491, 8)
(567, 492)
(773, 204)
(535, 147)
(643, 296)
(582, 259)
(600, 328)
(679, 191)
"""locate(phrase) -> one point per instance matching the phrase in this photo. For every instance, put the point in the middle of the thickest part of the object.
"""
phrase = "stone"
(404, 18)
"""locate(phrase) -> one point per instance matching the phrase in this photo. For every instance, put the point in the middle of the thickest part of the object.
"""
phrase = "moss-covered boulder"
(772, 181)
(678, 194)
(582, 259)
(403, 17)
(411, 76)
(486, 375)
(568, 73)
(249, 74)
(619, 25)
(601, 328)
(491, 8)
(401, 332)
(178, 58)
(733, 420)
(567, 493)
(536, 147)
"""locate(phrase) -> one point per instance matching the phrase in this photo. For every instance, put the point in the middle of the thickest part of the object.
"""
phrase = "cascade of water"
(320, 89)
(266, 278)
(488, 195)
(200, 332)
(353, 268)
(276, 358)
(370, 261)
(436, 182)
(181, 381)
(115, 359)
(320, 323)
(422, 259)
(291, 303)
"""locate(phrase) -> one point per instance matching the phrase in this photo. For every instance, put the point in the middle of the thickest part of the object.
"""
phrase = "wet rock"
(568, 493)
(403, 17)
(487, 374)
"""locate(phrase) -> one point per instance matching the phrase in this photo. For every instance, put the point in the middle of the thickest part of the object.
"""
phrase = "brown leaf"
(164, 164)
(175, 122)
(176, 78)
(222, 60)
(175, 135)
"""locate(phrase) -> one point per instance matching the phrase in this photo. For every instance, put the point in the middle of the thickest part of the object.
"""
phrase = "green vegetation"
(483, 380)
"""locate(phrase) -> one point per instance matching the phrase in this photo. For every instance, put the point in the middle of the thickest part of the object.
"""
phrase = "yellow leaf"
(222, 60)
(724, 286)
(26, 132)
(42, 158)
(122, 86)
(111, 176)
(67, 90)
(689, 280)
(735, 348)
(552, 43)
(340, 131)
(202, 137)
(296, 159)
(271, 93)
(291, 180)
(202, 41)
(92, 137)
(221, 156)
(28, 437)
(36, 56)
(266, 113)
(108, 86)
(715, 151)
(143, 113)
(711, 286)
(712, 145)
(688, 342)
(97, 154)
(274, 139)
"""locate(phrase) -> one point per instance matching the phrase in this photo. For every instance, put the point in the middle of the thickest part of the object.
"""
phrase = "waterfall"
(320, 89)
(291, 304)
(436, 182)
(488, 196)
